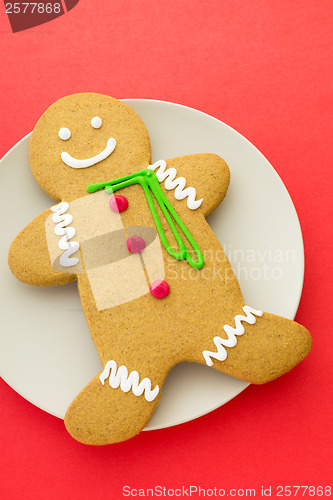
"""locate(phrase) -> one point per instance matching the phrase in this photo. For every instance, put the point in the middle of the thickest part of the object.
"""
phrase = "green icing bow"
(150, 184)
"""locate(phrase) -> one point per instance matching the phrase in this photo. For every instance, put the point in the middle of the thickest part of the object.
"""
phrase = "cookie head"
(83, 139)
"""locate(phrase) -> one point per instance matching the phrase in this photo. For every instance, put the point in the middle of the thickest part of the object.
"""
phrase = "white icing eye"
(64, 133)
(96, 122)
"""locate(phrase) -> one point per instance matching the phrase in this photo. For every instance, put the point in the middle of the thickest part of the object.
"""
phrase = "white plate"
(46, 353)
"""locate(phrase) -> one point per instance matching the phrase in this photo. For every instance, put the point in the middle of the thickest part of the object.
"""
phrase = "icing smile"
(89, 162)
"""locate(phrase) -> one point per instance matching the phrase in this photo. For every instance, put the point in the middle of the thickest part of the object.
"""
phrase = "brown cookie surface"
(154, 282)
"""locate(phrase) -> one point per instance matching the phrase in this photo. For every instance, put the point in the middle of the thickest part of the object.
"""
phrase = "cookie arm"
(29, 258)
(192, 178)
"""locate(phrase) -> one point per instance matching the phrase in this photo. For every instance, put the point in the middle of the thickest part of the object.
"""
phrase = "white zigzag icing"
(231, 341)
(62, 220)
(120, 378)
(172, 181)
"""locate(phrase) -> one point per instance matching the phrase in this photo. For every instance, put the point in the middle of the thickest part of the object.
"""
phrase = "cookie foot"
(102, 415)
(261, 351)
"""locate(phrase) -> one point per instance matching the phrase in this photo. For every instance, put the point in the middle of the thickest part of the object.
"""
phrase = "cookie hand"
(29, 258)
(195, 184)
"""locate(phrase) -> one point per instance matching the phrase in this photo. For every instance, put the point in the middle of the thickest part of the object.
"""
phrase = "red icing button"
(118, 203)
(159, 289)
(136, 244)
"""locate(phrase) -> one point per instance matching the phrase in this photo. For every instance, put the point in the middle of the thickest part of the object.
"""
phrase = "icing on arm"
(169, 175)
(34, 252)
(63, 219)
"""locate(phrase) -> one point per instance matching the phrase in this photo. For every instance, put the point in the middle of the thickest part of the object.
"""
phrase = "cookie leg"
(113, 407)
(257, 347)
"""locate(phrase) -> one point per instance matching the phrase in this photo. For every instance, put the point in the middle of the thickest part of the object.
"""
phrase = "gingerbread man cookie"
(153, 286)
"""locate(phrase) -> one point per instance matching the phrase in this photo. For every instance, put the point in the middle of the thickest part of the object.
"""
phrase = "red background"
(263, 67)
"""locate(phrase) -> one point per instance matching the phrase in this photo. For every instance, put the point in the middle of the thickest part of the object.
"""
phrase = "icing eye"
(64, 133)
(96, 122)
